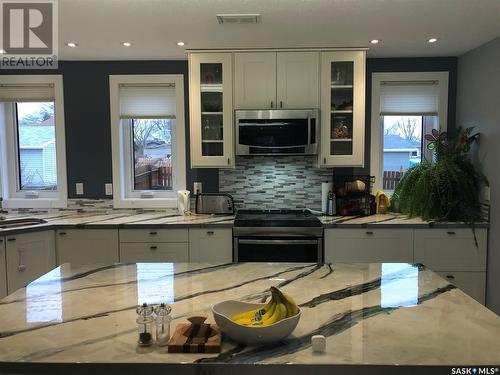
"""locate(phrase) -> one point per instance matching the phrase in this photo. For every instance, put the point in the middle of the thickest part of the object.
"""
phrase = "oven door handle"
(265, 124)
(280, 147)
(278, 242)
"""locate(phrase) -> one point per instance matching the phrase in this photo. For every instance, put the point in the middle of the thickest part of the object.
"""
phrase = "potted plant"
(445, 188)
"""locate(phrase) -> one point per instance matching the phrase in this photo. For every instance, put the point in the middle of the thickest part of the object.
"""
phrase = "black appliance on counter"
(277, 236)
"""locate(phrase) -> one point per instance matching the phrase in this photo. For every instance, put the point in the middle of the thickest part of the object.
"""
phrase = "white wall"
(478, 104)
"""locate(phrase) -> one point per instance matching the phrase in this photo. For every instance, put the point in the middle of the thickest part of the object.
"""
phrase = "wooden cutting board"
(195, 338)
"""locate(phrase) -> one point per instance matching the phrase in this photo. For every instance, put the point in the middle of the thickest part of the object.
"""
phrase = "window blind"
(26, 93)
(409, 98)
(147, 101)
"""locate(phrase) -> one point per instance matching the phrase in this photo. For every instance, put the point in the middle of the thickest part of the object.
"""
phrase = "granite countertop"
(371, 314)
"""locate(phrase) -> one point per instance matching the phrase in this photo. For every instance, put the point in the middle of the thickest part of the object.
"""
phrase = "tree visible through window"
(36, 146)
(152, 145)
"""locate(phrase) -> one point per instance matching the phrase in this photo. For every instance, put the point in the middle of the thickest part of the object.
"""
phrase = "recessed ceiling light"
(127, 44)
(72, 44)
(374, 41)
(180, 44)
(432, 40)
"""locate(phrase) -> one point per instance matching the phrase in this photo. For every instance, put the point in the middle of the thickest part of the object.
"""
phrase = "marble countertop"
(371, 314)
(166, 219)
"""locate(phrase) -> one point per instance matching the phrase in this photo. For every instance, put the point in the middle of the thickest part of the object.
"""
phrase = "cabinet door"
(29, 256)
(255, 80)
(343, 108)
(298, 80)
(3, 269)
(85, 246)
(210, 245)
(471, 283)
(451, 249)
(369, 245)
(154, 252)
(211, 106)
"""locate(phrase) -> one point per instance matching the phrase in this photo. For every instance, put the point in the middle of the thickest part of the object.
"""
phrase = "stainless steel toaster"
(214, 204)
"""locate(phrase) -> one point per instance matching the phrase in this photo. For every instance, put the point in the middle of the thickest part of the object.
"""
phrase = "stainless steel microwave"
(277, 132)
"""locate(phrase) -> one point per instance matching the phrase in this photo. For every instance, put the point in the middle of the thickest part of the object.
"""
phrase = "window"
(32, 145)
(147, 114)
(405, 107)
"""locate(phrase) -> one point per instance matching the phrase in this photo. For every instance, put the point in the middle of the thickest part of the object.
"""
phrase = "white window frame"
(12, 197)
(376, 154)
(123, 196)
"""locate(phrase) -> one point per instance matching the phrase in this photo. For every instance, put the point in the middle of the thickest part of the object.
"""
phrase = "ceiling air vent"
(238, 18)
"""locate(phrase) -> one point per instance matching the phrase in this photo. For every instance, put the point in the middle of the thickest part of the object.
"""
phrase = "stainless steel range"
(277, 236)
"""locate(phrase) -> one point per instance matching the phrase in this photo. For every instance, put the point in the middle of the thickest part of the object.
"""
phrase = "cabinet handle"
(324, 160)
(229, 161)
(281, 104)
(272, 104)
(153, 233)
(20, 266)
(153, 247)
(451, 233)
(369, 233)
(11, 239)
(62, 233)
(450, 277)
(210, 233)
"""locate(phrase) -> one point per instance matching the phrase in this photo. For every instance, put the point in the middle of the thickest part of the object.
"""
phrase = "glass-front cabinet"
(342, 108)
(211, 108)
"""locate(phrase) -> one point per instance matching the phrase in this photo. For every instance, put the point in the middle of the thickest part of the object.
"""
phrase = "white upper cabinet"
(342, 108)
(255, 80)
(297, 80)
(211, 110)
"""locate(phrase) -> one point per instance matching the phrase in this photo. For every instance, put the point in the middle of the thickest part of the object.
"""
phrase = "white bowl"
(251, 335)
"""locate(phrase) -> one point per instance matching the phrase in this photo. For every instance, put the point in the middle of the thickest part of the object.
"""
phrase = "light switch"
(79, 188)
(108, 189)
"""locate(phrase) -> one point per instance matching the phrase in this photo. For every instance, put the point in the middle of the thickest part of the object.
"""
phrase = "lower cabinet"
(472, 283)
(369, 245)
(3, 269)
(154, 252)
(84, 246)
(155, 245)
(208, 245)
(29, 256)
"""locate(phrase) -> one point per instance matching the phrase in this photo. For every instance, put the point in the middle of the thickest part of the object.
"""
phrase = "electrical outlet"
(109, 189)
(79, 188)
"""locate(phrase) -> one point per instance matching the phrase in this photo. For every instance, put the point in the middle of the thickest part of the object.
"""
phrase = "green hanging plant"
(446, 188)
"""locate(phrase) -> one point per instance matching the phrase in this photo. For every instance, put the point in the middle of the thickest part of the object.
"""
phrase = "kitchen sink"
(15, 223)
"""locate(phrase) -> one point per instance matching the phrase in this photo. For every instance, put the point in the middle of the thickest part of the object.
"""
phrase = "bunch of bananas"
(279, 307)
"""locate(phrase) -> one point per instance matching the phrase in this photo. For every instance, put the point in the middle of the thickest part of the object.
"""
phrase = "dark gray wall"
(478, 104)
(87, 120)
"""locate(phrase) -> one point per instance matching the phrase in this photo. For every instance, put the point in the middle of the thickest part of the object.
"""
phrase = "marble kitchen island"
(376, 317)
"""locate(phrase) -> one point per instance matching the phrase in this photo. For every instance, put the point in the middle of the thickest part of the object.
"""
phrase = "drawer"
(451, 249)
(471, 283)
(154, 235)
(369, 245)
(154, 252)
(209, 245)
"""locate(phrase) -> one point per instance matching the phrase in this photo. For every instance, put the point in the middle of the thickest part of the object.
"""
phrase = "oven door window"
(278, 133)
(278, 250)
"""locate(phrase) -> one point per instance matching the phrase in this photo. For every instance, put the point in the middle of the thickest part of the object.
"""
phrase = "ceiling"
(155, 26)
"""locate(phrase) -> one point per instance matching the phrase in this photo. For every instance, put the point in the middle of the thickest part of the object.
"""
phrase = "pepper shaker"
(145, 323)
(163, 320)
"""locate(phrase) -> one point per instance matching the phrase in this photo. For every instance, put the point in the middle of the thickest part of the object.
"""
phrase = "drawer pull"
(11, 239)
(450, 277)
(153, 233)
(62, 233)
(20, 263)
(210, 233)
(451, 233)
(369, 233)
(153, 247)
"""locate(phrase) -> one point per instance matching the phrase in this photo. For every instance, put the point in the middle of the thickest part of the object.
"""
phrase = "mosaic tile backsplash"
(274, 182)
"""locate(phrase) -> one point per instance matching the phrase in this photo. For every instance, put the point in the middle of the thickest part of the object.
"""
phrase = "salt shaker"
(145, 323)
(163, 320)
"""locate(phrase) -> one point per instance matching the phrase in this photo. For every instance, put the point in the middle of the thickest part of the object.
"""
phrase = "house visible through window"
(36, 146)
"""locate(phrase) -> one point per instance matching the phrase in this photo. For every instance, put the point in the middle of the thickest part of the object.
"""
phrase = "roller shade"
(409, 98)
(26, 93)
(147, 101)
